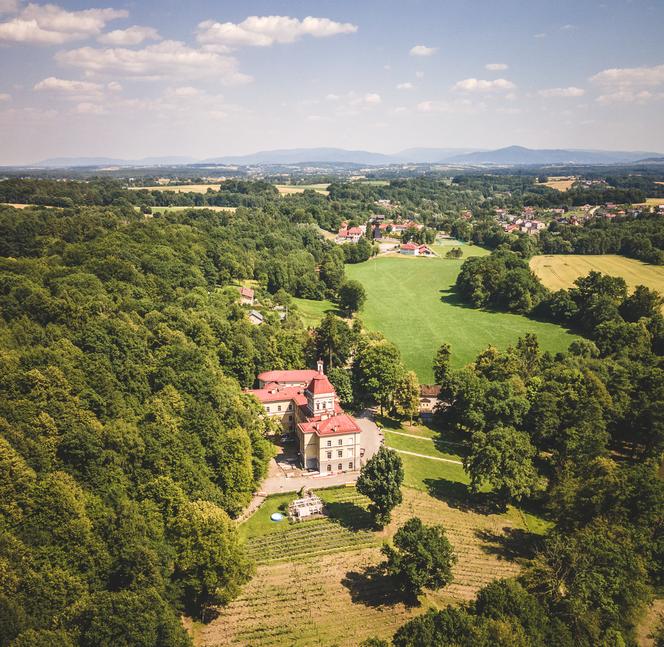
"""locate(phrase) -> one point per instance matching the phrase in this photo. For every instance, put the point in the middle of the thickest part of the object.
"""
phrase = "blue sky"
(202, 78)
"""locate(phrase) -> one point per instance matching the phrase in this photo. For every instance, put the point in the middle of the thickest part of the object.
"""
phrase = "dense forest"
(126, 443)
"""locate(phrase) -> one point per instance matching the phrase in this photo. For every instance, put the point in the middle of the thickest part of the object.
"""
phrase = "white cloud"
(52, 25)
(89, 108)
(133, 35)
(629, 96)
(629, 84)
(569, 27)
(458, 105)
(371, 99)
(482, 85)
(263, 31)
(4, 97)
(422, 50)
(405, 86)
(67, 86)
(570, 91)
(496, 67)
(167, 59)
(630, 77)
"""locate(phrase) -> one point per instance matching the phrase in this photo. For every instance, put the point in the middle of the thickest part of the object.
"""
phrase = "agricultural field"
(19, 205)
(560, 183)
(317, 583)
(179, 188)
(412, 302)
(561, 270)
(290, 189)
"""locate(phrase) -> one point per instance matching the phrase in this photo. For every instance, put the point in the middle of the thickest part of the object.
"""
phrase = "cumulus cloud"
(66, 85)
(496, 67)
(629, 84)
(405, 86)
(167, 59)
(630, 77)
(52, 25)
(482, 85)
(263, 31)
(629, 96)
(422, 50)
(133, 35)
(570, 91)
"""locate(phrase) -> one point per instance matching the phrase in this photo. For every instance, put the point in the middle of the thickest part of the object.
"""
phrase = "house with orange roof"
(307, 404)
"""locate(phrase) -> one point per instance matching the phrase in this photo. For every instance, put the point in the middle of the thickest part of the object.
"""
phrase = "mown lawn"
(311, 312)
(411, 301)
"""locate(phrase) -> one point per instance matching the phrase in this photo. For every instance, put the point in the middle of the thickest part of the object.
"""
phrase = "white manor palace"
(307, 404)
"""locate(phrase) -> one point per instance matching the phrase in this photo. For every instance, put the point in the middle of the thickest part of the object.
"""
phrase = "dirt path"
(433, 458)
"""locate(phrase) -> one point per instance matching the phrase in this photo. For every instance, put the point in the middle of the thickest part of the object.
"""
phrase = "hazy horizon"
(211, 79)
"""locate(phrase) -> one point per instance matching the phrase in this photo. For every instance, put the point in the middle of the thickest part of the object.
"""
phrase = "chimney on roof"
(320, 366)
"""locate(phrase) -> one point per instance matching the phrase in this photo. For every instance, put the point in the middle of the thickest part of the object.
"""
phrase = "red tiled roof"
(354, 231)
(301, 376)
(337, 424)
(280, 395)
(247, 292)
(320, 384)
(409, 246)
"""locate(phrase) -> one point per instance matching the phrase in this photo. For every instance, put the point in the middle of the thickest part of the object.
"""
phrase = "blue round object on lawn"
(276, 516)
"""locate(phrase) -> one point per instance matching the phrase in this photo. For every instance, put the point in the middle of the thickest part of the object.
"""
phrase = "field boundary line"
(433, 458)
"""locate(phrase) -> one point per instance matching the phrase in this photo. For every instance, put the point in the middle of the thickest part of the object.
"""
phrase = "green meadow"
(412, 302)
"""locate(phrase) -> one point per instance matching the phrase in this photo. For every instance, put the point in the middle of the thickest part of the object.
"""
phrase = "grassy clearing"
(21, 205)
(167, 209)
(412, 302)
(311, 312)
(179, 188)
(561, 270)
(653, 202)
(290, 189)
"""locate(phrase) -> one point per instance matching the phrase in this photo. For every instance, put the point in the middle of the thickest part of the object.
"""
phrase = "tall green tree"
(421, 557)
(380, 479)
(352, 296)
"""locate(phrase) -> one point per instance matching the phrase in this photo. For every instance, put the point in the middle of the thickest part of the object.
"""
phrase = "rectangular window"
(290, 418)
(290, 407)
(340, 453)
(340, 467)
(329, 467)
(278, 407)
(341, 441)
(329, 454)
(350, 465)
(329, 443)
(267, 409)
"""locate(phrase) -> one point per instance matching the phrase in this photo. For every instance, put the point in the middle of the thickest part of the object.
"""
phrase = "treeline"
(126, 443)
(597, 305)
(641, 238)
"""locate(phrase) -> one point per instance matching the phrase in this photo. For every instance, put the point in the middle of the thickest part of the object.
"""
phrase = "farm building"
(246, 296)
(349, 234)
(328, 439)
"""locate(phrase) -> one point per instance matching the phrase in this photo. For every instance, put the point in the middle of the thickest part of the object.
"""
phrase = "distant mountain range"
(510, 156)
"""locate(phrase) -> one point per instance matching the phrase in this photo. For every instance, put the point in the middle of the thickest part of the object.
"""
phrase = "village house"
(428, 400)
(256, 318)
(246, 296)
(306, 403)
(349, 235)
(414, 249)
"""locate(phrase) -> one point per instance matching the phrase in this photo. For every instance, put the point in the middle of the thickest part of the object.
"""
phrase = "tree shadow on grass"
(513, 544)
(375, 588)
(452, 296)
(458, 495)
(349, 515)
